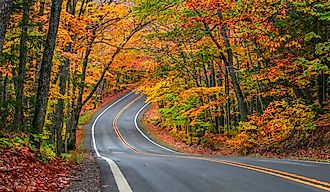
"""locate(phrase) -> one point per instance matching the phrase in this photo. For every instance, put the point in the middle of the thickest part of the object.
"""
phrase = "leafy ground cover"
(21, 169)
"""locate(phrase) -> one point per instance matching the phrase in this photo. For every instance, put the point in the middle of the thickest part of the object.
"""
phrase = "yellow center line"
(284, 175)
(281, 174)
(118, 133)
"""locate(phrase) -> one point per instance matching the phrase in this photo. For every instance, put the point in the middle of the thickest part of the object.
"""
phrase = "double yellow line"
(284, 175)
(115, 126)
(281, 174)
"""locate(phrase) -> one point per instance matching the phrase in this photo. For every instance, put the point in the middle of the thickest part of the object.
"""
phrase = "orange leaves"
(210, 4)
(279, 121)
(21, 171)
(203, 92)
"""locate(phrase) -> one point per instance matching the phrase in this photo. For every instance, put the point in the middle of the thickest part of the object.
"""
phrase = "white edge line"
(151, 141)
(121, 182)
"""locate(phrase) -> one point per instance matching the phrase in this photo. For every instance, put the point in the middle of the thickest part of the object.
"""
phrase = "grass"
(85, 118)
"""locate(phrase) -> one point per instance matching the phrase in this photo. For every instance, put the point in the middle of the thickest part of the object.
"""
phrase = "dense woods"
(58, 59)
(248, 75)
(241, 74)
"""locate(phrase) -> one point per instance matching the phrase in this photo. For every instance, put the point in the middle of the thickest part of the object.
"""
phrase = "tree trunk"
(18, 119)
(230, 63)
(46, 67)
(4, 102)
(212, 75)
(322, 88)
(206, 79)
(5, 11)
(59, 115)
(227, 119)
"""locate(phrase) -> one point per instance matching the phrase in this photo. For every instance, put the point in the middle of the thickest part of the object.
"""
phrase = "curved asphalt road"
(139, 165)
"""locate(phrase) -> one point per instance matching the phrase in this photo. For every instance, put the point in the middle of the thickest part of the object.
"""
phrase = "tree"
(5, 11)
(20, 76)
(46, 67)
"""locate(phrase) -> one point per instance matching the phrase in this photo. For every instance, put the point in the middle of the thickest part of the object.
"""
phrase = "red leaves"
(20, 170)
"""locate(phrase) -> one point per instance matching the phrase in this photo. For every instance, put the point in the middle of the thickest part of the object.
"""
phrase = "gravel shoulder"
(86, 177)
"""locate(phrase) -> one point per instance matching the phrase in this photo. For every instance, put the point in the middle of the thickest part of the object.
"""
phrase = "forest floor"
(163, 136)
(22, 170)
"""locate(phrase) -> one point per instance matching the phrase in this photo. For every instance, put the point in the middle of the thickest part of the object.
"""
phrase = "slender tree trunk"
(18, 119)
(259, 92)
(212, 75)
(59, 115)
(46, 67)
(81, 10)
(230, 63)
(227, 119)
(78, 107)
(68, 113)
(206, 79)
(5, 11)
(4, 102)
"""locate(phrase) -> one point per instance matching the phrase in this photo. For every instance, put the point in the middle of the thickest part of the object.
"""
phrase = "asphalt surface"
(145, 166)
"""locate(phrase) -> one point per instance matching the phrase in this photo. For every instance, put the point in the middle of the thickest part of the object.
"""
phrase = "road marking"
(121, 181)
(288, 176)
(281, 174)
(141, 132)
(117, 131)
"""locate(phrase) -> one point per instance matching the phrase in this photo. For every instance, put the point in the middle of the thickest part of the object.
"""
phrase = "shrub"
(282, 124)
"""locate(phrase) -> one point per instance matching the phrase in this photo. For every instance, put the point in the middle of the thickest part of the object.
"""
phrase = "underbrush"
(22, 141)
(283, 125)
(285, 129)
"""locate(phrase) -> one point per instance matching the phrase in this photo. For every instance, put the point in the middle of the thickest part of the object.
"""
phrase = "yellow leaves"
(4, 72)
(196, 111)
(201, 91)
(155, 90)
(293, 44)
(63, 38)
(280, 120)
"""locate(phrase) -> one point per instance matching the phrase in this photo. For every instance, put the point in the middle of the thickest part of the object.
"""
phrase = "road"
(130, 161)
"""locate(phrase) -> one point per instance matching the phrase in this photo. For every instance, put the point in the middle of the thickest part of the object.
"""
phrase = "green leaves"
(309, 36)
(322, 48)
(154, 9)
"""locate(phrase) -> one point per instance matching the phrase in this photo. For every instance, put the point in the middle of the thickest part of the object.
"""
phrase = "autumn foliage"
(248, 76)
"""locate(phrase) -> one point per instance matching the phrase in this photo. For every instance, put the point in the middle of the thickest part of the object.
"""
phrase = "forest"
(248, 76)
(242, 75)
(55, 63)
